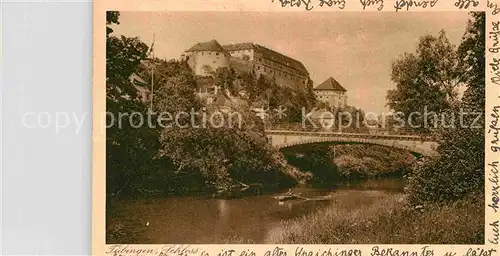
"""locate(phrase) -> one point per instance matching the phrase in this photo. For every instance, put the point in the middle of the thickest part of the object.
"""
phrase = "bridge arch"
(415, 144)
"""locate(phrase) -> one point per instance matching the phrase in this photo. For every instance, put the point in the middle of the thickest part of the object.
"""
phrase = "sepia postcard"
(296, 127)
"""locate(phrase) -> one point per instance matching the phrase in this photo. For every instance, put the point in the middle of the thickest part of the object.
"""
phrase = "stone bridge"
(413, 143)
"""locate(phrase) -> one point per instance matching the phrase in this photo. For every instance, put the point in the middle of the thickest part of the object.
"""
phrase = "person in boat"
(287, 196)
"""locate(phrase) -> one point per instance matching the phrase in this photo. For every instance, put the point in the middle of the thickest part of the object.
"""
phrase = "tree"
(471, 52)
(223, 155)
(129, 148)
(174, 86)
(459, 169)
(111, 18)
(426, 80)
(195, 145)
(123, 56)
(247, 82)
(225, 79)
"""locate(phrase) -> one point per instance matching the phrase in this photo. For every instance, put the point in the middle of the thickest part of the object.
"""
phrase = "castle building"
(252, 57)
(332, 93)
(286, 71)
(203, 57)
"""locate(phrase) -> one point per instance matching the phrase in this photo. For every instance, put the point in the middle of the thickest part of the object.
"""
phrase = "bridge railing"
(298, 127)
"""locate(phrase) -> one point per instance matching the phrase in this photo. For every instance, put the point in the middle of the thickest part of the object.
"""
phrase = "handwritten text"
(306, 4)
(400, 4)
(367, 3)
(464, 4)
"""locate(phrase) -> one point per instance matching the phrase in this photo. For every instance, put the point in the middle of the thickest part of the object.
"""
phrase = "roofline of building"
(253, 44)
(204, 51)
(314, 89)
(210, 41)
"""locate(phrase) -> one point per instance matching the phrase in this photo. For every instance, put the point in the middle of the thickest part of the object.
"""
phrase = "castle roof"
(330, 84)
(212, 45)
(268, 54)
(238, 47)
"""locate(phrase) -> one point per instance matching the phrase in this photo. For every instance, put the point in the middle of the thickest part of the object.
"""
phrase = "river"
(191, 220)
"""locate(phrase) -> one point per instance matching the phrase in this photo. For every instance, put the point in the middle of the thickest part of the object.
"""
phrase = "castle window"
(217, 54)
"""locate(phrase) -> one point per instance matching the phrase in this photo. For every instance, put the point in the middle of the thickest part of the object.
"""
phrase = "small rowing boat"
(292, 196)
(289, 196)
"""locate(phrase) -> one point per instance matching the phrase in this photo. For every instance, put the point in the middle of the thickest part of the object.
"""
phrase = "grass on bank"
(388, 222)
(384, 221)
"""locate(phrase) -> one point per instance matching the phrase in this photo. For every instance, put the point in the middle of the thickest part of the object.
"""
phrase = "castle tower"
(205, 55)
(332, 93)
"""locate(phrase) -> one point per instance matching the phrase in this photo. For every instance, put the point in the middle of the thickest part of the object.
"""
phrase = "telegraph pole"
(152, 72)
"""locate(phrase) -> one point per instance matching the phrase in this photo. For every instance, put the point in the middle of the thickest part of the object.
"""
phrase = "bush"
(455, 173)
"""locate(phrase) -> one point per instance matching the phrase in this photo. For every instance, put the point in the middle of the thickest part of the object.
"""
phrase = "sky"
(354, 48)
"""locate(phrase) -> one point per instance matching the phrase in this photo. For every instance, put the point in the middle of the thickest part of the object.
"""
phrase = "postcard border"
(99, 246)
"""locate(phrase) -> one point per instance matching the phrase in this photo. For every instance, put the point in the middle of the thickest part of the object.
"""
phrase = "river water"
(191, 220)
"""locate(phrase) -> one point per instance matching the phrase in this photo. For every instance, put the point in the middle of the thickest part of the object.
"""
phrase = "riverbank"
(354, 214)
(386, 222)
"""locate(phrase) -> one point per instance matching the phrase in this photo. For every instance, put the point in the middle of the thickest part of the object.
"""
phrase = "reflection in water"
(223, 213)
(184, 220)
